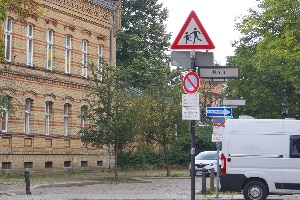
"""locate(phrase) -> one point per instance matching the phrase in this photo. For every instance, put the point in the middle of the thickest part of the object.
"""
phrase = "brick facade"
(95, 21)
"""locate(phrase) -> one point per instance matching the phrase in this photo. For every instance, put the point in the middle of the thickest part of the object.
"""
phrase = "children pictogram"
(196, 36)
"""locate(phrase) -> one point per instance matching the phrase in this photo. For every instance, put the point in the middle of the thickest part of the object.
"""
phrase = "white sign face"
(217, 134)
(191, 113)
(216, 138)
(191, 100)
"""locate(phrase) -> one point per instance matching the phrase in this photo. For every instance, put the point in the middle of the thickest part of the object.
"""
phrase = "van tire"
(255, 190)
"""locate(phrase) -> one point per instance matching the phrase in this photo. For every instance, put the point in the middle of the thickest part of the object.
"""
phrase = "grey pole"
(192, 129)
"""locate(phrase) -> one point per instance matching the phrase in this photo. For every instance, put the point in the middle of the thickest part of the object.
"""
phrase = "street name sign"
(233, 102)
(218, 112)
(219, 72)
(183, 58)
(192, 35)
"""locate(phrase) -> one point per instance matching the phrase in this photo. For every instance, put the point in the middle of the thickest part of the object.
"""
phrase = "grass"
(80, 176)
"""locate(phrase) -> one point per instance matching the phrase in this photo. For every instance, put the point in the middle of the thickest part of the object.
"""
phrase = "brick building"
(46, 80)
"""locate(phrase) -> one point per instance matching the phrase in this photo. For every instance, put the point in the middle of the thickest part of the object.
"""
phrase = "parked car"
(206, 160)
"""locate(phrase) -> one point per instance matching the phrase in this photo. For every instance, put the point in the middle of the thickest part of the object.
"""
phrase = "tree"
(111, 112)
(23, 7)
(160, 108)
(143, 41)
(268, 55)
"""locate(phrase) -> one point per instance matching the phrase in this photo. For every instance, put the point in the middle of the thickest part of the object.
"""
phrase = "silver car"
(205, 161)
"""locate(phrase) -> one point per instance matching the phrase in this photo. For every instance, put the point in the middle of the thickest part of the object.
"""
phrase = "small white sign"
(216, 138)
(191, 100)
(217, 134)
(191, 113)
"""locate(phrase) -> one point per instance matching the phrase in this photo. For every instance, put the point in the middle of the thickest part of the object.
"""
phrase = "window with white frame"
(68, 54)
(29, 45)
(66, 118)
(47, 117)
(83, 115)
(4, 118)
(84, 57)
(28, 103)
(100, 60)
(49, 41)
(8, 39)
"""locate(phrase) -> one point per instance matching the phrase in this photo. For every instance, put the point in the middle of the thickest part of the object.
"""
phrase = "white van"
(261, 157)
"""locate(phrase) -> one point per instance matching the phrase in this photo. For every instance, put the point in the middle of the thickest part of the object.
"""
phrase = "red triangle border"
(210, 44)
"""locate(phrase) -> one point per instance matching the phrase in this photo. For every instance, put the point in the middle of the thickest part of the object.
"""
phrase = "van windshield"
(207, 156)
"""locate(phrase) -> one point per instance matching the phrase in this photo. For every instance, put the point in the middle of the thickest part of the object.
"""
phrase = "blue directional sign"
(218, 111)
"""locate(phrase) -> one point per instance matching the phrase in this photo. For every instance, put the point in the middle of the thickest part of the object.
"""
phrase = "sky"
(216, 16)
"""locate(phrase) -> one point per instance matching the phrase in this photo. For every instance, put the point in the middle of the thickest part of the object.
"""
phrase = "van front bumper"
(232, 182)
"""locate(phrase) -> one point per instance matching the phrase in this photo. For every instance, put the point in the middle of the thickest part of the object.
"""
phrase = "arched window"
(8, 38)
(29, 45)
(28, 105)
(49, 41)
(66, 118)
(100, 60)
(68, 54)
(84, 58)
(48, 112)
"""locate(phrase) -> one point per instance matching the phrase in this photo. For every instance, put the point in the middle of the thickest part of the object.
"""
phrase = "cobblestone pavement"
(152, 188)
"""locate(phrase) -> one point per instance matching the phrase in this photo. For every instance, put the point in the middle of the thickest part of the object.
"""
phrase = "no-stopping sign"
(191, 82)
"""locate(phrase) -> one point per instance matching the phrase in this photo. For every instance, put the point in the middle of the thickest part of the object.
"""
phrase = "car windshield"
(212, 155)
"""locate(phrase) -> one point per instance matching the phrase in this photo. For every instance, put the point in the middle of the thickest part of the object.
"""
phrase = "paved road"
(146, 189)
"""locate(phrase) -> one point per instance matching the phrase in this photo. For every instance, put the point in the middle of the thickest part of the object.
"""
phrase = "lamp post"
(284, 108)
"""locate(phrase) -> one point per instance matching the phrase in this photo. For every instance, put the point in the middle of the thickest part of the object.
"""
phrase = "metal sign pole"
(192, 129)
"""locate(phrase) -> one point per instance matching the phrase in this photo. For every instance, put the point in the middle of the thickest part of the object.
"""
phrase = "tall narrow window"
(83, 115)
(27, 115)
(29, 45)
(47, 117)
(4, 119)
(68, 56)
(66, 118)
(100, 60)
(84, 57)
(49, 40)
(8, 38)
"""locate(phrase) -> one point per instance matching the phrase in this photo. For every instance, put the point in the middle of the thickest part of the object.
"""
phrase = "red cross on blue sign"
(191, 82)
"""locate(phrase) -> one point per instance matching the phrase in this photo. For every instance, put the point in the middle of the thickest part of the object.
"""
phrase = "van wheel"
(255, 190)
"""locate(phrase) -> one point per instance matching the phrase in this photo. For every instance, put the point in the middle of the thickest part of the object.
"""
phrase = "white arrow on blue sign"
(218, 111)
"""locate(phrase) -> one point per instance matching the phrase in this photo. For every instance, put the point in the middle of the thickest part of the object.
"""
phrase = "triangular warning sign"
(192, 35)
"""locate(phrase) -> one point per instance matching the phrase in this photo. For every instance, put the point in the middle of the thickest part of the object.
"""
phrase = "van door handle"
(229, 159)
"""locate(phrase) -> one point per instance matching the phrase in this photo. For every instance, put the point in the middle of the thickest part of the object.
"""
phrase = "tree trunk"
(116, 159)
(167, 160)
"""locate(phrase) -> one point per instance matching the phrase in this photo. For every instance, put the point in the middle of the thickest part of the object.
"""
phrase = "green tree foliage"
(160, 111)
(23, 7)
(111, 113)
(142, 42)
(269, 59)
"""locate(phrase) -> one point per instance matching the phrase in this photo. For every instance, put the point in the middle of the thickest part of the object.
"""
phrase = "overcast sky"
(216, 16)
